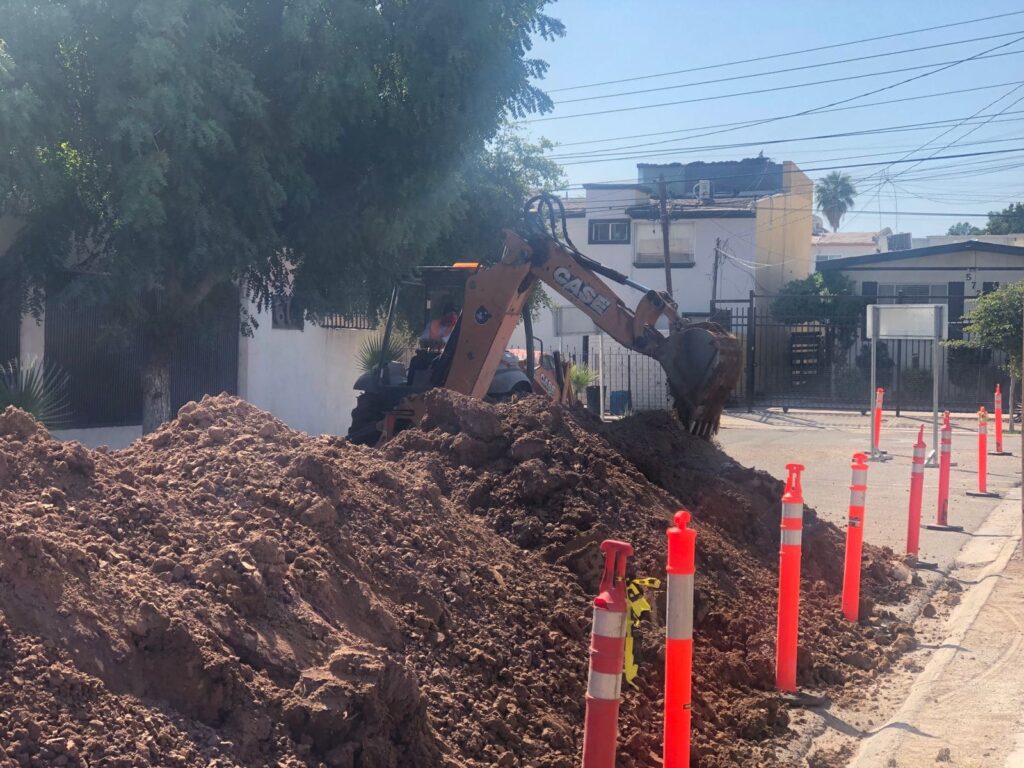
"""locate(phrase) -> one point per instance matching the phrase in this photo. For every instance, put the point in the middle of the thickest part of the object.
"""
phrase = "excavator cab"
(438, 292)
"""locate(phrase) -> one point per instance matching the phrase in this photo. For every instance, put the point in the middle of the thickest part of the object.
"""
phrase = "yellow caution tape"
(638, 606)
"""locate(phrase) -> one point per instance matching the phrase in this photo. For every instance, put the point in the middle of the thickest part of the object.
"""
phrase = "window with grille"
(608, 231)
(911, 293)
(650, 249)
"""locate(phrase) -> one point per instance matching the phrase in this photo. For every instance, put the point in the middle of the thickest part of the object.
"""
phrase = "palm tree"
(834, 194)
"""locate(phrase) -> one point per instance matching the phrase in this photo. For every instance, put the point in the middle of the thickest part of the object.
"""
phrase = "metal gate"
(103, 362)
(10, 325)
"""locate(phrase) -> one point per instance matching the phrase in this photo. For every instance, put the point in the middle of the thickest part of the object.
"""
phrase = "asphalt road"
(825, 443)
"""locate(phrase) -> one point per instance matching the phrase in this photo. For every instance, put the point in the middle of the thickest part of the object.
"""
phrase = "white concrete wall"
(303, 377)
(691, 286)
(32, 339)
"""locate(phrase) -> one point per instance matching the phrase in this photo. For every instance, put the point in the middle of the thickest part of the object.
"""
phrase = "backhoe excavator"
(701, 360)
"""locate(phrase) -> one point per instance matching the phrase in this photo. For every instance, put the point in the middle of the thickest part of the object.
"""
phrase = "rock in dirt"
(230, 592)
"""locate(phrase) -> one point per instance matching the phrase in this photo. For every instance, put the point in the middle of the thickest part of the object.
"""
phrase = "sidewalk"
(966, 708)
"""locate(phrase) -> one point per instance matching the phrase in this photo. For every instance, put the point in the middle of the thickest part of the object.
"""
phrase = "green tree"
(963, 228)
(1006, 221)
(828, 298)
(172, 148)
(995, 323)
(834, 195)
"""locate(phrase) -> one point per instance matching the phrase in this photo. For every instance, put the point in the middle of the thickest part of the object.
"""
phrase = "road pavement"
(825, 442)
(958, 699)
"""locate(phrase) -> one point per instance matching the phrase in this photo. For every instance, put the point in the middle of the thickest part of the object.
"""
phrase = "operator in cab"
(440, 328)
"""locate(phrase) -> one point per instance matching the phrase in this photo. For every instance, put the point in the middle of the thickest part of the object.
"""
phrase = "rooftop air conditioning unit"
(702, 190)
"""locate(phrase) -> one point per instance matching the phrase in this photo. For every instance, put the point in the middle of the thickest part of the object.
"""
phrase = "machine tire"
(368, 411)
(522, 389)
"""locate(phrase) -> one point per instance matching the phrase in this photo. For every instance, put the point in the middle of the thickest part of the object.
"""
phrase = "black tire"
(368, 412)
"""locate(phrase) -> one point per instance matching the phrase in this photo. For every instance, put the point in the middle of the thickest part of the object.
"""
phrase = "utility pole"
(1021, 429)
(714, 274)
(664, 234)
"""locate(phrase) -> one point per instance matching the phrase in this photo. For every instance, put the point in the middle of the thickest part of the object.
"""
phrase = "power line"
(800, 68)
(942, 65)
(742, 123)
(618, 152)
(862, 165)
(788, 53)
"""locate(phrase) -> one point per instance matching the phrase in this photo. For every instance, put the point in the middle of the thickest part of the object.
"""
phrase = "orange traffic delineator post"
(855, 538)
(997, 417)
(916, 494)
(983, 457)
(877, 454)
(682, 543)
(607, 655)
(789, 581)
(945, 462)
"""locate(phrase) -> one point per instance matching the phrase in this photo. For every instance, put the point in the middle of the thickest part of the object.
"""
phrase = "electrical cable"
(787, 70)
(940, 67)
(789, 53)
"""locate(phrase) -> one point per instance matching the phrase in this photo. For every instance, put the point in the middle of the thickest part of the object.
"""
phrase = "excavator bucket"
(703, 365)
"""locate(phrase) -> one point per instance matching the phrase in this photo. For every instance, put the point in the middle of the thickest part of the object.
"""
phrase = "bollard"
(945, 462)
(916, 493)
(998, 419)
(855, 538)
(789, 581)
(983, 457)
(877, 454)
(679, 642)
(607, 653)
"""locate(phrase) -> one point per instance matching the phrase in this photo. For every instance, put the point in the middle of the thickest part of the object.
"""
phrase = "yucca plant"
(370, 350)
(581, 377)
(38, 389)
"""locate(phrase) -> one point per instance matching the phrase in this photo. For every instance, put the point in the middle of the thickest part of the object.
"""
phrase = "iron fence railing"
(796, 363)
(10, 325)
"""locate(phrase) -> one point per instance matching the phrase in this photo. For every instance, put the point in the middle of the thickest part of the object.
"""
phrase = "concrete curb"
(996, 541)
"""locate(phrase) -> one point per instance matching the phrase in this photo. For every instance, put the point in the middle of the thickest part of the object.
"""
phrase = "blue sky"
(612, 40)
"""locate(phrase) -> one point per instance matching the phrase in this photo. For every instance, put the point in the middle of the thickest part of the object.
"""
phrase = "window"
(650, 250)
(609, 231)
(287, 313)
(911, 293)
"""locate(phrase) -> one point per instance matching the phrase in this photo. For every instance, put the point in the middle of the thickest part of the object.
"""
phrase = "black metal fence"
(104, 365)
(10, 325)
(790, 362)
(793, 362)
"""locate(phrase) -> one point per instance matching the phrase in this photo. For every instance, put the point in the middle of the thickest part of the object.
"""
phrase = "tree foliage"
(963, 229)
(823, 297)
(995, 323)
(165, 147)
(1006, 221)
(834, 195)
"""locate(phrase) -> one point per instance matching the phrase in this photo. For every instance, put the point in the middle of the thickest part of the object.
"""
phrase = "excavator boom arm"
(701, 361)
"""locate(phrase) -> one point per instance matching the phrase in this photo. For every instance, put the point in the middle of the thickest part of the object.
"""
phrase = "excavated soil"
(229, 592)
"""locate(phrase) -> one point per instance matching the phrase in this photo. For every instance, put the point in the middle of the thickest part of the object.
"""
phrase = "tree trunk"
(156, 381)
(528, 330)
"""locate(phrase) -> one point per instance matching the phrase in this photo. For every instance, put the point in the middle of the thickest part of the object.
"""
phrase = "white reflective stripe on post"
(791, 537)
(918, 469)
(679, 610)
(860, 477)
(793, 510)
(857, 498)
(601, 685)
(609, 623)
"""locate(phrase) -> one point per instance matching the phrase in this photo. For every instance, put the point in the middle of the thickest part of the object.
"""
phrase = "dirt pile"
(230, 592)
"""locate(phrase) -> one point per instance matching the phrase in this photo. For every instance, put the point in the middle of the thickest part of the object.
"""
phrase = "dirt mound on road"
(229, 592)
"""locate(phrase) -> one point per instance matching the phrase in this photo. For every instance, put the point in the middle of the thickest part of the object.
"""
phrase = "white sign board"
(570, 321)
(908, 321)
